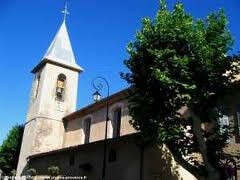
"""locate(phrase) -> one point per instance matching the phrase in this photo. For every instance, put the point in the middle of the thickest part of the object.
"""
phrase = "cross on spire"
(65, 11)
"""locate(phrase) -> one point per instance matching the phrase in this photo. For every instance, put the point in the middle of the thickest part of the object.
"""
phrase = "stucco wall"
(26, 147)
(157, 164)
(45, 130)
(74, 134)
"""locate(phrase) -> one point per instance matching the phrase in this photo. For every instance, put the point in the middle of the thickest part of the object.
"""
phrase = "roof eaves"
(122, 94)
(69, 66)
(80, 146)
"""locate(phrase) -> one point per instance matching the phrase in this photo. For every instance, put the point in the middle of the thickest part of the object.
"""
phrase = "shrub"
(13, 172)
(53, 171)
(31, 172)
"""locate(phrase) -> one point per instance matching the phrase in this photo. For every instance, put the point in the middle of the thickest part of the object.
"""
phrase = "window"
(61, 81)
(117, 122)
(238, 119)
(37, 82)
(86, 128)
(71, 160)
(112, 156)
(223, 120)
(223, 123)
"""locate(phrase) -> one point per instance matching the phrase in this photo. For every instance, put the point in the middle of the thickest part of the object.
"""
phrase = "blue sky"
(99, 31)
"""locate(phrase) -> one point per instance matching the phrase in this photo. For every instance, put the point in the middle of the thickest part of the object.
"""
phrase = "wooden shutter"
(117, 122)
(87, 127)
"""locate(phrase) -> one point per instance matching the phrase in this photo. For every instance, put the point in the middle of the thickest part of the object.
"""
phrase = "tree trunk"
(185, 164)
(212, 172)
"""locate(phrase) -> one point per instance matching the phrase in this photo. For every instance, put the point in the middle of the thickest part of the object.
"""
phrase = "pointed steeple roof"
(60, 51)
(60, 48)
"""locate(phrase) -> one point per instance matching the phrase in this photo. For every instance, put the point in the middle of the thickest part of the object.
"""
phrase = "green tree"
(10, 149)
(176, 61)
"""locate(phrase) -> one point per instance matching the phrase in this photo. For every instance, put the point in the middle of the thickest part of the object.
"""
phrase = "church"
(57, 134)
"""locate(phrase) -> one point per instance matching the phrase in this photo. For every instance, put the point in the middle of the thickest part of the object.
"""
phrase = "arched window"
(61, 81)
(37, 82)
(117, 122)
(86, 129)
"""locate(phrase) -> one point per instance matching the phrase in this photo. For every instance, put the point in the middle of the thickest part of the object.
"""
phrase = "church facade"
(56, 134)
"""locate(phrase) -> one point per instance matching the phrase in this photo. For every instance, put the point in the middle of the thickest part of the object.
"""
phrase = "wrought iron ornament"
(98, 84)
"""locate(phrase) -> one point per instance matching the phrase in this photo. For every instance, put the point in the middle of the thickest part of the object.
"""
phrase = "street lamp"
(98, 86)
(97, 96)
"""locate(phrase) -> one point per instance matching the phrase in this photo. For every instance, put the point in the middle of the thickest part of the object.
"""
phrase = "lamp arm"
(99, 86)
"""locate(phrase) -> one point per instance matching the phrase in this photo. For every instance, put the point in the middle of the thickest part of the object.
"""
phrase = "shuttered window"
(87, 128)
(117, 122)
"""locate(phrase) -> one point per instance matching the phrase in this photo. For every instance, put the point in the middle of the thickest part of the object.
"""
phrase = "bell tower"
(54, 95)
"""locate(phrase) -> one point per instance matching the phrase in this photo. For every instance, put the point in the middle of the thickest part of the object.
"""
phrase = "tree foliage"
(176, 61)
(10, 149)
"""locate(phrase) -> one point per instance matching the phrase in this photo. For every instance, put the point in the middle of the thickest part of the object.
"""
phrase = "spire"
(60, 50)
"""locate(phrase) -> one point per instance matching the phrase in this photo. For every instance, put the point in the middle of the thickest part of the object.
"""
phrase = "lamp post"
(98, 86)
